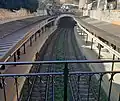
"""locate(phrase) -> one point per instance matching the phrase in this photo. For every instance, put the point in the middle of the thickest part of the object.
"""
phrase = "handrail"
(57, 73)
(58, 62)
(66, 74)
(99, 41)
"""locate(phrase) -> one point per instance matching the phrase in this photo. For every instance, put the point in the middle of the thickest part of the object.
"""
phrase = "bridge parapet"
(68, 78)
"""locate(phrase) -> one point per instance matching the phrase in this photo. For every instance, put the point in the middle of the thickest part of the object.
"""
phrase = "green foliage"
(30, 5)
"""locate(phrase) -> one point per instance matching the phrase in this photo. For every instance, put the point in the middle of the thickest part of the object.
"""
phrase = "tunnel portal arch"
(62, 16)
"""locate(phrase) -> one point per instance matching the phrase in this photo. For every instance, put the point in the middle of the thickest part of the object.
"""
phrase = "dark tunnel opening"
(66, 22)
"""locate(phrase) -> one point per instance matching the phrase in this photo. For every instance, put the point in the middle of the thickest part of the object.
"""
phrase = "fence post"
(14, 57)
(86, 37)
(65, 81)
(113, 62)
(110, 88)
(92, 44)
(30, 41)
(24, 49)
(4, 88)
(99, 46)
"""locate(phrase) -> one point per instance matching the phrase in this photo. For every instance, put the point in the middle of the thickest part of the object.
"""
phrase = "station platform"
(108, 31)
(92, 54)
(12, 33)
(29, 56)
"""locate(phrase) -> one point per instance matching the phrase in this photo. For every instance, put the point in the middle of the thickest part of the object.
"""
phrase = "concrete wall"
(81, 3)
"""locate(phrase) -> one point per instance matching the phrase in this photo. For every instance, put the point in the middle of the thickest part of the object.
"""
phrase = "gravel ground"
(63, 47)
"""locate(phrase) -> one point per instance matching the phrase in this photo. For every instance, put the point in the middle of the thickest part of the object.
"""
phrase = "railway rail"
(63, 46)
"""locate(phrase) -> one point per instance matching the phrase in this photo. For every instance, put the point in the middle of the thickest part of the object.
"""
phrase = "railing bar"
(52, 87)
(24, 49)
(89, 73)
(18, 54)
(35, 36)
(78, 88)
(100, 86)
(86, 38)
(16, 84)
(14, 57)
(113, 62)
(58, 62)
(39, 33)
(4, 89)
(28, 81)
(99, 47)
(92, 44)
(110, 88)
(31, 41)
(65, 81)
(30, 74)
(89, 87)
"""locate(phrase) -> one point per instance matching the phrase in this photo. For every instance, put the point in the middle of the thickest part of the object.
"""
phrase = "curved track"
(63, 46)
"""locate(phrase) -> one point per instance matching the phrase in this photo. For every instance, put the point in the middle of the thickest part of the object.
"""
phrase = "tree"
(2, 3)
(30, 5)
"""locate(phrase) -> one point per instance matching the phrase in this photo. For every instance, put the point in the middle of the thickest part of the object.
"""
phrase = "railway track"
(63, 46)
(79, 84)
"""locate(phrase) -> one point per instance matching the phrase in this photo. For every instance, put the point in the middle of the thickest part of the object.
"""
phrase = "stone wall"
(107, 15)
(6, 14)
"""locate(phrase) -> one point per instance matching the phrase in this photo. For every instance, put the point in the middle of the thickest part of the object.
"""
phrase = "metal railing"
(72, 80)
(28, 36)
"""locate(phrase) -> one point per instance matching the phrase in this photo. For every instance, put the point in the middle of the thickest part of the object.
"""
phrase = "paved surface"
(29, 56)
(2, 21)
(105, 54)
(107, 31)
(11, 33)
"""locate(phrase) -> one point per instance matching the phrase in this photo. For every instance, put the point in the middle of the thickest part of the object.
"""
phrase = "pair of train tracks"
(62, 46)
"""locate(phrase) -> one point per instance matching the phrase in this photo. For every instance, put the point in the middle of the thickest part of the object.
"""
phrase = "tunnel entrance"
(66, 22)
